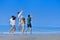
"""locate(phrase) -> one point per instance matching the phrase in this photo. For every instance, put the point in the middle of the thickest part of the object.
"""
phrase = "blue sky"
(45, 12)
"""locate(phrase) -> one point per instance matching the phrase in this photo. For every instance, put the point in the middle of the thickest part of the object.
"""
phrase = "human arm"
(20, 13)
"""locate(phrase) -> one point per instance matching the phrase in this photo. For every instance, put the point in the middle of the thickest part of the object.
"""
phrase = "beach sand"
(32, 37)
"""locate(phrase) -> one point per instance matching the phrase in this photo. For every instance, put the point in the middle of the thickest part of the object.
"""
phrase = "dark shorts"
(29, 25)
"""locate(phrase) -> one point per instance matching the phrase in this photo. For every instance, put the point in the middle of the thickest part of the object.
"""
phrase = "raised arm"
(20, 13)
(32, 16)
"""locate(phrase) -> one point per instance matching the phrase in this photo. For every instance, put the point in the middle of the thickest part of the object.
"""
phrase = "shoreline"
(32, 37)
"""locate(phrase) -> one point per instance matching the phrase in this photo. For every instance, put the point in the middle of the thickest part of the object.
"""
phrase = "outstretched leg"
(13, 29)
(23, 28)
(30, 30)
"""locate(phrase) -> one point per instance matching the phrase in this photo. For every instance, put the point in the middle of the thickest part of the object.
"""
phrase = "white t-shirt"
(12, 22)
(20, 19)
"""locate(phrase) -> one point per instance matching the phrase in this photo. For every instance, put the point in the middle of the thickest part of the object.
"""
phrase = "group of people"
(21, 24)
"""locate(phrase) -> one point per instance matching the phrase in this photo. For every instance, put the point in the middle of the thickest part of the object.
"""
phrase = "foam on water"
(4, 30)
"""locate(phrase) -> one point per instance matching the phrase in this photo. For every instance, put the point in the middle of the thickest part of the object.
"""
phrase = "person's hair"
(13, 17)
(29, 15)
(18, 12)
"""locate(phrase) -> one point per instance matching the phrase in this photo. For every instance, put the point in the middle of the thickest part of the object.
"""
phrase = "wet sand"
(32, 37)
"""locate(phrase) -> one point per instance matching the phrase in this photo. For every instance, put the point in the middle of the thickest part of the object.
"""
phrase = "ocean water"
(4, 30)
